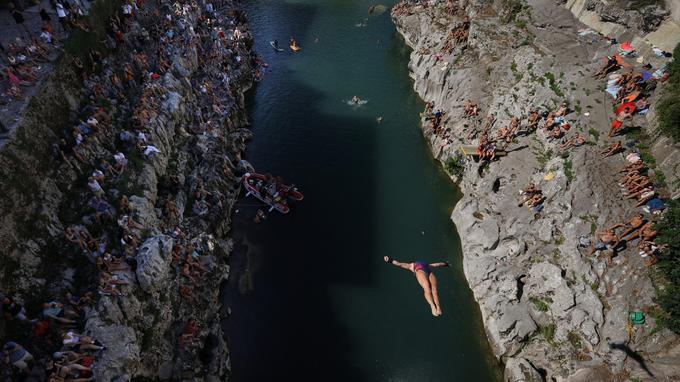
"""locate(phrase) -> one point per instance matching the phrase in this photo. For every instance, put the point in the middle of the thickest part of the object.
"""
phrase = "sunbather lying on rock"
(67, 371)
(613, 149)
(646, 232)
(610, 65)
(470, 109)
(630, 226)
(575, 141)
(635, 167)
(649, 251)
(56, 311)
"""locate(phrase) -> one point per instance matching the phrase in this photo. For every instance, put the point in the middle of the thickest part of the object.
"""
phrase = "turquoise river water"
(311, 298)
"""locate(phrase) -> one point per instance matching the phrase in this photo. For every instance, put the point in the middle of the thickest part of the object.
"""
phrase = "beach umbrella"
(376, 10)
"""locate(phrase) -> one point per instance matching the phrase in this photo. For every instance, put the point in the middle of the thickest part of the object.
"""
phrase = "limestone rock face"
(520, 370)
(153, 260)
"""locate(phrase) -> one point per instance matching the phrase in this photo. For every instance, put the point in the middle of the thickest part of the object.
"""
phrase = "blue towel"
(656, 204)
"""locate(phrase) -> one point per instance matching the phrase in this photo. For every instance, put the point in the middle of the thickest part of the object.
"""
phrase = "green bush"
(669, 233)
(455, 165)
(669, 106)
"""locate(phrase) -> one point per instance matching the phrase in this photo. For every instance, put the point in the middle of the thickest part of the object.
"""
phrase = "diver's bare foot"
(439, 311)
(434, 311)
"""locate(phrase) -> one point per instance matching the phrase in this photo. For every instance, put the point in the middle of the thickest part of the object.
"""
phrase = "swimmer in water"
(356, 100)
(379, 119)
(426, 279)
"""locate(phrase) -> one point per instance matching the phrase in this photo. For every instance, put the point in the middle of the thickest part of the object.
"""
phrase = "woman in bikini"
(426, 279)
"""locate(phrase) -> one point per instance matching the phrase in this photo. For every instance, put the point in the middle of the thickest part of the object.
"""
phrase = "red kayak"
(274, 195)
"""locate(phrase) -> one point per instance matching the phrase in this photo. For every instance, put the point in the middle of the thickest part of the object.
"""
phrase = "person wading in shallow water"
(426, 279)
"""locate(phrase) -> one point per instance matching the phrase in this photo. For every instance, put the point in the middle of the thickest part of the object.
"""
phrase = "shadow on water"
(271, 291)
(276, 267)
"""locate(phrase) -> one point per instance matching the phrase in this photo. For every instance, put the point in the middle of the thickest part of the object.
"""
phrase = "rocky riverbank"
(169, 98)
(551, 312)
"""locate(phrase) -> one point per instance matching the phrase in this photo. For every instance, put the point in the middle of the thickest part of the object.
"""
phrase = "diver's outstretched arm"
(396, 263)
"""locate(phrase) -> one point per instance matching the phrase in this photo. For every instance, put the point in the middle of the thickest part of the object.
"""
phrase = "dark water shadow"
(282, 323)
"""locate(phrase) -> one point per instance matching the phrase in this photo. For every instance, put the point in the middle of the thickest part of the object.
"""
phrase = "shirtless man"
(614, 148)
(632, 225)
(562, 110)
(646, 232)
(575, 141)
(610, 65)
(549, 121)
(606, 239)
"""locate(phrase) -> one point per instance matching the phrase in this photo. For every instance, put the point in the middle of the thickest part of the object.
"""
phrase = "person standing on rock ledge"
(426, 279)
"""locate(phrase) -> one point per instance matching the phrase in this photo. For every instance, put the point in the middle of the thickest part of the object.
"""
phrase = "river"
(311, 298)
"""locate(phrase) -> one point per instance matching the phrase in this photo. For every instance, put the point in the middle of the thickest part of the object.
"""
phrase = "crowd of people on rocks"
(630, 89)
(24, 54)
(114, 133)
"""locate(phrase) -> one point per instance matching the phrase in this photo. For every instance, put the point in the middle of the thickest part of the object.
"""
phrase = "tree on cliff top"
(669, 233)
(669, 107)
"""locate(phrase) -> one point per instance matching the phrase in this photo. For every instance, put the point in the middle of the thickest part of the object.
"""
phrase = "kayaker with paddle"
(426, 279)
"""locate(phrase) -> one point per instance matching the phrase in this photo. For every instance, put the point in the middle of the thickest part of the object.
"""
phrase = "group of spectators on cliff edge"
(25, 51)
(103, 151)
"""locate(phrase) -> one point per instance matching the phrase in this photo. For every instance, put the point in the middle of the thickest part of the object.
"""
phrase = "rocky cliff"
(185, 95)
(551, 312)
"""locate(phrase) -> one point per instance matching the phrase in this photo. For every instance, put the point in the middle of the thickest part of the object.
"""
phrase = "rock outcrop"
(550, 311)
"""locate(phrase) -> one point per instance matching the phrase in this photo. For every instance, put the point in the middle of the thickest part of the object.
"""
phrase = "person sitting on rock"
(470, 109)
(426, 278)
(533, 119)
(555, 133)
(72, 340)
(186, 294)
(562, 110)
(78, 303)
(188, 337)
(649, 251)
(109, 284)
(535, 200)
(190, 274)
(606, 239)
(73, 235)
(13, 310)
(121, 162)
(69, 372)
(15, 354)
(56, 311)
